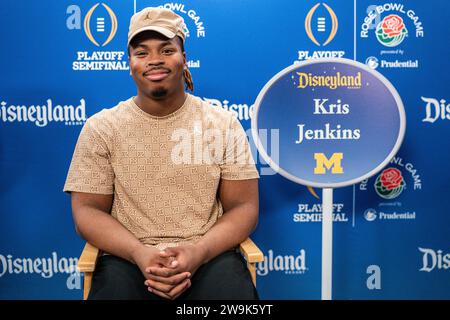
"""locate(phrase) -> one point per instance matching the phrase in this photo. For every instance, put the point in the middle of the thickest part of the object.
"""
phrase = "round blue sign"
(339, 122)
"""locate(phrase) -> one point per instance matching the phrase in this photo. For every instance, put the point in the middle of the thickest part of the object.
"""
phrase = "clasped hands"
(168, 273)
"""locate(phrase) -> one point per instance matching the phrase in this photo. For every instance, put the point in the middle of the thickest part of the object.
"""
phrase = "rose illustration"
(392, 25)
(391, 178)
(389, 184)
(391, 31)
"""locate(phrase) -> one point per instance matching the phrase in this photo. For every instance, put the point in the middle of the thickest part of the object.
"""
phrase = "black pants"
(226, 277)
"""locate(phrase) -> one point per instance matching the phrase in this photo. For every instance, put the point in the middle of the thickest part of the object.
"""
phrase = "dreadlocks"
(186, 73)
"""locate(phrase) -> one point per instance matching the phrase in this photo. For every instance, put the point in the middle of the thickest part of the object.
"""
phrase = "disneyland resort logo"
(397, 179)
(435, 110)
(41, 115)
(392, 24)
(99, 25)
(330, 81)
(433, 259)
(288, 264)
(46, 268)
(242, 111)
(321, 25)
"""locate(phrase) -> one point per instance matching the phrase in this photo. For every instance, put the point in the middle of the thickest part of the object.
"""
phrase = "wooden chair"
(90, 254)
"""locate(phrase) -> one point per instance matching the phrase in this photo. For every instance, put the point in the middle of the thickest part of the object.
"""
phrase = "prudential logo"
(372, 62)
(370, 214)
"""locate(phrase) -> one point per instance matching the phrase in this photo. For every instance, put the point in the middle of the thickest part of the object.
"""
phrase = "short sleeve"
(238, 161)
(90, 170)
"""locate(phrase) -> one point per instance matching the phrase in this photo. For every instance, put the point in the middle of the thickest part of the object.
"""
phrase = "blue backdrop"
(62, 61)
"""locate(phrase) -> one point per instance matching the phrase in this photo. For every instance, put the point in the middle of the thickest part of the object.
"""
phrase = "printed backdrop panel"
(67, 60)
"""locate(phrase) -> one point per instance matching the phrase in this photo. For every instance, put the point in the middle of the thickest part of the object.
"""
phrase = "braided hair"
(186, 73)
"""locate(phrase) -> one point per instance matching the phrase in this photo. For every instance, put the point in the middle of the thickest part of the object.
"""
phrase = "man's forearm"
(105, 232)
(230, 230)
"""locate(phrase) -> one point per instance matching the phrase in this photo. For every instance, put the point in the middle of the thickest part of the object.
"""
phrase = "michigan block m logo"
(323, 163)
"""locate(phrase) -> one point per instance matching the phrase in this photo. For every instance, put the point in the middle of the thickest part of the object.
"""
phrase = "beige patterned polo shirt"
(164, 172)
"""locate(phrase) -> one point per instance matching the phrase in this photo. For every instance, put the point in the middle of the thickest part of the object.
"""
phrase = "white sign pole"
(327, 242)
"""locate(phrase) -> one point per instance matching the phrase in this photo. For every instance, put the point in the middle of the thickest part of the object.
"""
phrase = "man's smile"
(157, 74)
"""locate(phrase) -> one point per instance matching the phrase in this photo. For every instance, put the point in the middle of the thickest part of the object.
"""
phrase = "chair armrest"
(88, 258)
(251, 252)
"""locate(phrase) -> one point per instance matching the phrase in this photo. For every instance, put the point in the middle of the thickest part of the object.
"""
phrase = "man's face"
(156, 64)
